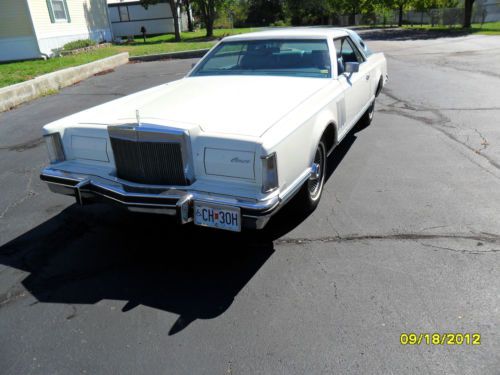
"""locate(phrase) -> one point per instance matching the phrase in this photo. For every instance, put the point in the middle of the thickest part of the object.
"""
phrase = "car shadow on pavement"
(85, 255)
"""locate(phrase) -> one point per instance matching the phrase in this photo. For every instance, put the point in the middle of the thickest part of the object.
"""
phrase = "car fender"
(325, 125)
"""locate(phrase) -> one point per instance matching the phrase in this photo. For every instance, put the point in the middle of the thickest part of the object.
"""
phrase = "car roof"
(291, 33)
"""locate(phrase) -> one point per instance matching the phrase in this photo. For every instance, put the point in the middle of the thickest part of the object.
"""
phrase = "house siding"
(88, 20)
(157, 19)
(17, 41)
(14, 19)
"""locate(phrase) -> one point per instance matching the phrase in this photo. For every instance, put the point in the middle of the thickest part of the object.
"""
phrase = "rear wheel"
(310, 193)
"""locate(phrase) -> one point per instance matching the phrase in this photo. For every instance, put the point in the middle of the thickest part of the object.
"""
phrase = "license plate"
(220, 217)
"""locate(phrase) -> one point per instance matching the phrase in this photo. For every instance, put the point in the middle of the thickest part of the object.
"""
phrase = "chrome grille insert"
(150, 154)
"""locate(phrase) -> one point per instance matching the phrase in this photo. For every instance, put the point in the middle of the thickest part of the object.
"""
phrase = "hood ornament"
(138, 117)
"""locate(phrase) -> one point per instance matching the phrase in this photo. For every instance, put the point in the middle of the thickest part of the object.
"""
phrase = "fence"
(482, 12)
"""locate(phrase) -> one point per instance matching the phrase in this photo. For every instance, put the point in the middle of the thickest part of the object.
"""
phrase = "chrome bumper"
(154, 199)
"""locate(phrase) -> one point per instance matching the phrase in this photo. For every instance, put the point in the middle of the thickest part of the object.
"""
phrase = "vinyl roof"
(291, 32)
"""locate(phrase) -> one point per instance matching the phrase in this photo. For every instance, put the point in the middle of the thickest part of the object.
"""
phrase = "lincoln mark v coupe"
(248, 128)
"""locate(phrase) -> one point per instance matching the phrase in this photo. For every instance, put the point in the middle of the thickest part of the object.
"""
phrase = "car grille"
(157, 163)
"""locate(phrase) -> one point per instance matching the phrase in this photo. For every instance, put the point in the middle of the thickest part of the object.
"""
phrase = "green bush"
(280, 23)
(223, 22)
(76, 44)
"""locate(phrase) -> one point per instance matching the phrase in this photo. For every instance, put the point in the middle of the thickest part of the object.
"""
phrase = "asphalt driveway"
(406, 239)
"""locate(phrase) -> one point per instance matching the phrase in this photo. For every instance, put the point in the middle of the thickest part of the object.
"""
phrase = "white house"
(34, 28)
(487, 10)
(129, 16)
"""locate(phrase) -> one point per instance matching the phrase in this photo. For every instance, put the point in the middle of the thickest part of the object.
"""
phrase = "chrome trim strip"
(151, 210)
(162, 205)
(51, 175)
(59, 184)
(182, 209)
(295, 186)
(78, 190)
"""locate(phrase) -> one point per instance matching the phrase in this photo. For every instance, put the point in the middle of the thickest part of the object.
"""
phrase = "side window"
(354, 48)
(346, 52)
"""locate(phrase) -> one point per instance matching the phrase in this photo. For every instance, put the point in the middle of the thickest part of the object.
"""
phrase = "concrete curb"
(172, 55)
(19, 93)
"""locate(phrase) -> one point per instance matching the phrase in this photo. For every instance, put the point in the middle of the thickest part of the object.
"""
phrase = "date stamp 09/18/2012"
(440, 339)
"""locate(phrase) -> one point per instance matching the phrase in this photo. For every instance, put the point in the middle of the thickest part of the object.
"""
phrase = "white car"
(248, 128)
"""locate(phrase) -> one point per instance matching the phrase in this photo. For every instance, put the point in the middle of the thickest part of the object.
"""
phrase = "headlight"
(269, 173)
(55, 148)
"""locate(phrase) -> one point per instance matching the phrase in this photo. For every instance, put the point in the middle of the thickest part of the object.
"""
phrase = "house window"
(59, 10)
(123, 11)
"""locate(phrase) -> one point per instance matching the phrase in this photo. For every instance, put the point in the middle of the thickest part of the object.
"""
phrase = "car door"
(357, 85)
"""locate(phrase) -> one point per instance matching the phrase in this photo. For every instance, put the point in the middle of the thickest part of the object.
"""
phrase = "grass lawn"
(490, 28)
(165, 43)
(16, 72)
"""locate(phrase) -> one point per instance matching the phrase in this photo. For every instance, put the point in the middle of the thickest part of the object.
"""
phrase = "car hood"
(241, 105)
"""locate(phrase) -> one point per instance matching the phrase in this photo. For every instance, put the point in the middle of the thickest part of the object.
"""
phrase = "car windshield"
(276, 57)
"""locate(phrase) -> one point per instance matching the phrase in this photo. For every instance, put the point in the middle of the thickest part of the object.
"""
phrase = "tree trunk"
(209, 23)
(189, 11)
(352, 19)
(468, 13)
(209, 17)
(175, 14)
(400, 20)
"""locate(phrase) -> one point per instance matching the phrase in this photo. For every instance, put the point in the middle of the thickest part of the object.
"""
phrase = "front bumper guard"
(154, 199)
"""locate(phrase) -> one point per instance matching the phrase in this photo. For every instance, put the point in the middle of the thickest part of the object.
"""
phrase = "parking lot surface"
(406, 239)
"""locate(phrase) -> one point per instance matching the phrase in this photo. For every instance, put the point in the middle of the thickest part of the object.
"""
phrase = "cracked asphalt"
(406, 239)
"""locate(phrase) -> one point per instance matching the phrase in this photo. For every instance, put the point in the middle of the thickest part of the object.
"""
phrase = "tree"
(264, 12)
(189, 11)
(351, 8)
(468, 13)
(208, 11)
(428, 6)
(401, 4)
(239, 10)
(312, 11)
(174, 7)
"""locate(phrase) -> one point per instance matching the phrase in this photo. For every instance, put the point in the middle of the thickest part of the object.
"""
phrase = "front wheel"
(367, 116)
(310, 193)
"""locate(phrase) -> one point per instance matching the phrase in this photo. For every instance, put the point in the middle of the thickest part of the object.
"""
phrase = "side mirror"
(351, 67)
